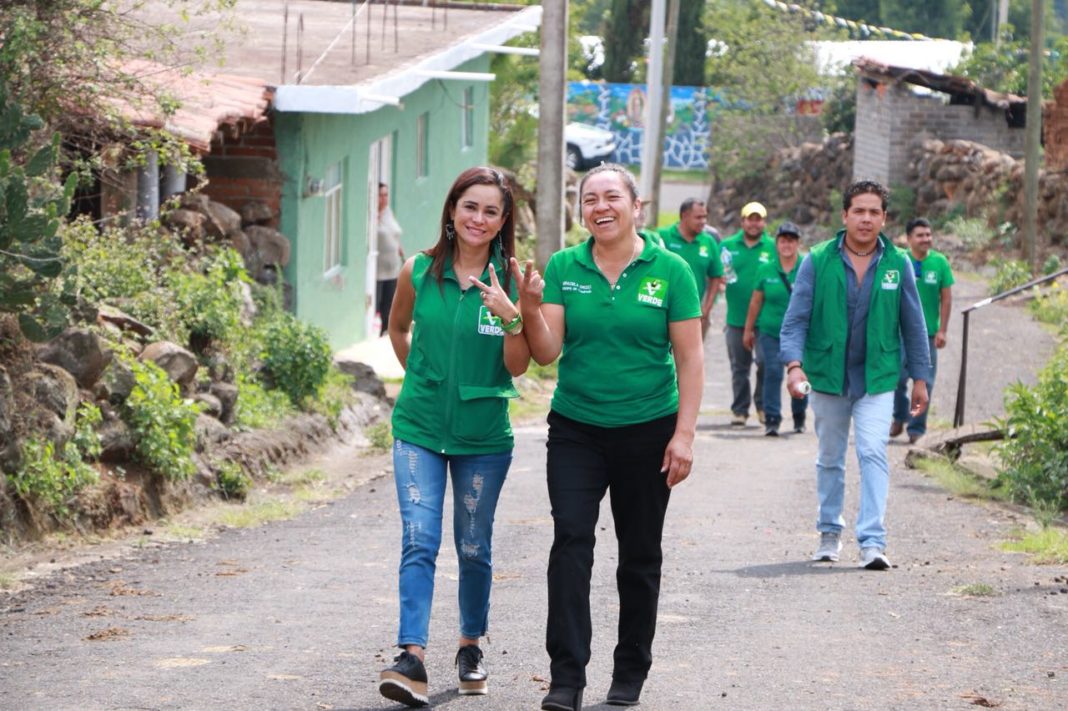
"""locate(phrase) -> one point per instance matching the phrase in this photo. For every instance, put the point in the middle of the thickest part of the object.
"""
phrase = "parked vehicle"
(587, 145)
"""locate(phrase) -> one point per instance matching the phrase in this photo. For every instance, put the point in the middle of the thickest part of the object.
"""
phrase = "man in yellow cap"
(742, 254)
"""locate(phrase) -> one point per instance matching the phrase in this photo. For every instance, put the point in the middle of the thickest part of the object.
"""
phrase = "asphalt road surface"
(301, 614)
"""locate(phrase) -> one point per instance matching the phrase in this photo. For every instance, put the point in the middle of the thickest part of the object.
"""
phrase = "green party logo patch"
(488, 324)
(930, 277)
(652, 291)
(891, 279)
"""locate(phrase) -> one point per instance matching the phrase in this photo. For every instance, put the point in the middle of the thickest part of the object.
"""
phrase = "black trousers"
(584, 461)
(384, 292)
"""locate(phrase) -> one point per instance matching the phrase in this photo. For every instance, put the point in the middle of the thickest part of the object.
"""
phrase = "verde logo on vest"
(652, 291)
(930, 277)
(891, 279)
(488, 324)
(703, 251)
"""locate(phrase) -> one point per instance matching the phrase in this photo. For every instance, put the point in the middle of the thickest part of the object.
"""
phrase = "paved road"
(301, 614)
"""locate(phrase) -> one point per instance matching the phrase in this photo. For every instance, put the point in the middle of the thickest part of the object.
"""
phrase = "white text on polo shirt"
(576, 287)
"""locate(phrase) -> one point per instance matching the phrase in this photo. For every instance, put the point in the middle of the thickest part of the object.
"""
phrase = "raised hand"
(495, 298)
(531, 285)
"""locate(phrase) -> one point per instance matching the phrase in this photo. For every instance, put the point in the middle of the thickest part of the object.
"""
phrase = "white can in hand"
(804, 387)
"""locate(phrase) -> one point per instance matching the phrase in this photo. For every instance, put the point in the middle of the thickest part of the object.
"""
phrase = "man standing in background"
(742, 254)
(688, 239)
(934, 280)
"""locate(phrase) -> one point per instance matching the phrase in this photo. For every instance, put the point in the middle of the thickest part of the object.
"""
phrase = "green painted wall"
(308, 144)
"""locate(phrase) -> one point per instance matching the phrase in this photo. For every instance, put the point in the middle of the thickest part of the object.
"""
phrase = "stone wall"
(979, 182)
(890, 118)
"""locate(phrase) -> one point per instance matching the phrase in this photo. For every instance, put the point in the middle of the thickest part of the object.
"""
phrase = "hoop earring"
(450, 232)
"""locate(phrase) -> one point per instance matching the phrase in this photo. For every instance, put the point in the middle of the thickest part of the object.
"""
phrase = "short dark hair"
(916, 222)
(861, 187)
(625, 175)
(689, 204)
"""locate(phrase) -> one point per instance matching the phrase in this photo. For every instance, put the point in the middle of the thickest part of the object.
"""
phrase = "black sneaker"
(624, 693)
(405, 681)
(472, 671)
(799, 425)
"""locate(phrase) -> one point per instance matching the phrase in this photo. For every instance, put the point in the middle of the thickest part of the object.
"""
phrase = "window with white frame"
(332, 218)
(467, 138)
(422, 145)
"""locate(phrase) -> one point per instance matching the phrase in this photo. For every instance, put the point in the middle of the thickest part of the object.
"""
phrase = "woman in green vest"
(457, 331)
(625, 315)
(771, 295)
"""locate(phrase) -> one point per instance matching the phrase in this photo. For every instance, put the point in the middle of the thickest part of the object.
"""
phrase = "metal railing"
(958, 413)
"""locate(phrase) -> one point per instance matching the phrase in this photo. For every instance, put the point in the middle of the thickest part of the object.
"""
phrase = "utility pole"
(1032, 150)
(653, 139)
(652, 198)
(552, 65)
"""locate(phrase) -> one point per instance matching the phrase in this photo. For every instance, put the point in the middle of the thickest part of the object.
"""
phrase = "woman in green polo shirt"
(625, 314)
(457, 331)
(771, 295)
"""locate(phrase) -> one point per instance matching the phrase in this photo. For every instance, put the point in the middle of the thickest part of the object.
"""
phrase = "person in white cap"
(742, 254)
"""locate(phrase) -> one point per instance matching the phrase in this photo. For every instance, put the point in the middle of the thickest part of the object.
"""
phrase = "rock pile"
(970, 179)
(797, 185)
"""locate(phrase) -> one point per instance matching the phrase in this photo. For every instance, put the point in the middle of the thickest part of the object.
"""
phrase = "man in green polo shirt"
(742, 254)
(934, 280)
(688, 239)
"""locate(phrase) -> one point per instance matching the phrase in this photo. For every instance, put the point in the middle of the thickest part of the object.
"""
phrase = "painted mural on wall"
(620, 108)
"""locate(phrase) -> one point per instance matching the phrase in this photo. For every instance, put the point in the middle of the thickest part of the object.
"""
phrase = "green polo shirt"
(769, 280)
(932, 275)
(617, 367)
(702, 254)
(454, 399)
(740, 264)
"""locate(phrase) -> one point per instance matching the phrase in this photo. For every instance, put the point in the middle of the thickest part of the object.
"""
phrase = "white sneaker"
(830, 547)
(873, 558)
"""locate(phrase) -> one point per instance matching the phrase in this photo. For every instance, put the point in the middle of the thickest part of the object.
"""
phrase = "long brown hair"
(446, 247)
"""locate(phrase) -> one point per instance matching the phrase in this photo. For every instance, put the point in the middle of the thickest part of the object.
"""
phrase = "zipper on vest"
(454, 387)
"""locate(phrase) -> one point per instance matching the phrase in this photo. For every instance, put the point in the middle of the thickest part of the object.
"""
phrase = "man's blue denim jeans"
(902, 400)
(773, 375)
(476, 484)
(871, 415)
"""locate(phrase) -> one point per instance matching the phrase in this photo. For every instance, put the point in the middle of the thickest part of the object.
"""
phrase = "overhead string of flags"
(863, 30)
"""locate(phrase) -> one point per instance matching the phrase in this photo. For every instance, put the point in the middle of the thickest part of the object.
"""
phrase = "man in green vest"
(742, 254)
(688, 239)
(934, 280)
(853, 307)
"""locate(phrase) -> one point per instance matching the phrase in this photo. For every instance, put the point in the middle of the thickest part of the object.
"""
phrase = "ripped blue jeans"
(476, 484)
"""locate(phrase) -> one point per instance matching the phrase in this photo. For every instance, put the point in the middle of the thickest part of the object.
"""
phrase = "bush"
(257, 407)
(297, 357)
(51, 481)
(232, 482)
(1035, 453)
(335, 395)
(973, 231)
(162, 422)
(210, 302)
(1008, 274)
(1051, 306)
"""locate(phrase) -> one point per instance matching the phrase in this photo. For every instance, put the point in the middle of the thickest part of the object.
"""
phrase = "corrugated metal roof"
(206, 101)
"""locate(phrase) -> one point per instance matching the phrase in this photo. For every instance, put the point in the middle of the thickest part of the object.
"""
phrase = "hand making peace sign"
(495, 298)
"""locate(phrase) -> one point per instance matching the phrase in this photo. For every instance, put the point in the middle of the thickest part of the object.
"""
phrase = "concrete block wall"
(244, 168)
(891, 118)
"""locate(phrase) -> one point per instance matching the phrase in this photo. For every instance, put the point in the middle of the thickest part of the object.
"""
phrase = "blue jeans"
(773, 374)
(871, 415)
(476, 484)
(916, 425)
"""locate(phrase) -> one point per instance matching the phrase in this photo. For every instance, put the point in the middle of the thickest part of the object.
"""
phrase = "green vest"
(828, 328)
(454, 399)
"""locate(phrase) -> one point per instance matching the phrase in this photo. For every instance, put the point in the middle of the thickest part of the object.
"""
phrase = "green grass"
(7, 581)
(959, 482)
(254, 515)
(674, 175)
(975, 590)
(176, 530)
(380, 436)
(1047, 546)
(306, 477)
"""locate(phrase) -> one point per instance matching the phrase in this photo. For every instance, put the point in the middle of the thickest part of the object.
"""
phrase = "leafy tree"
(691, 46)
(935, 18)
(760, 80)
(1004, 67)
(32, 203)
(628, 24)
